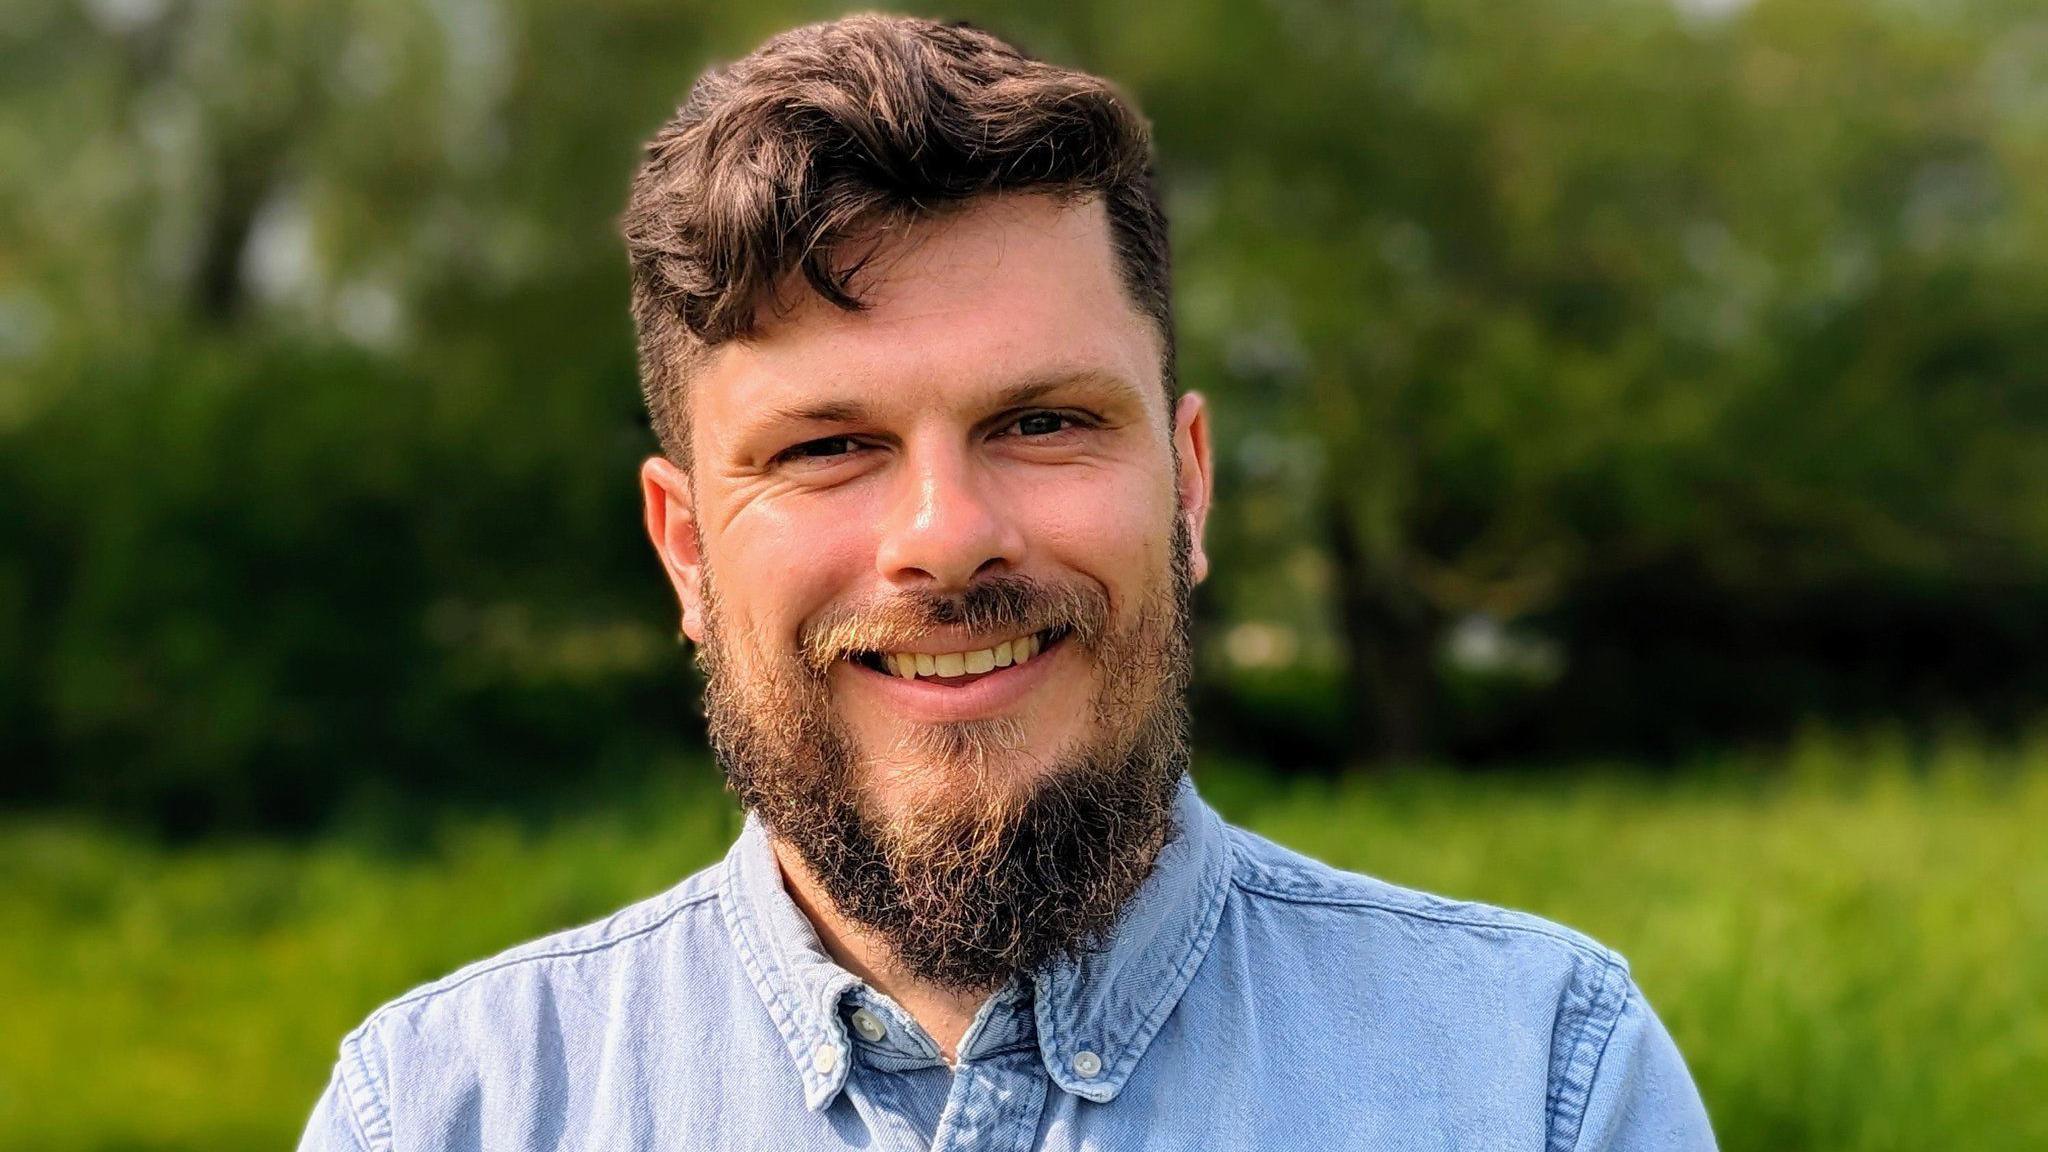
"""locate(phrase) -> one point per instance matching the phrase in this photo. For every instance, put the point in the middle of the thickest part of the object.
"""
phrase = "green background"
(1633, 506)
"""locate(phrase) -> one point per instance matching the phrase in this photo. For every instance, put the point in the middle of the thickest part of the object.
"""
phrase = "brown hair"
(835, 132)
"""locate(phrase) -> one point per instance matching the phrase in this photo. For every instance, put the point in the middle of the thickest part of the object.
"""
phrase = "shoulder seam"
(487, 967)
(1338, 900)
(1574, 1089)
(355, 1124)
(356, 1078)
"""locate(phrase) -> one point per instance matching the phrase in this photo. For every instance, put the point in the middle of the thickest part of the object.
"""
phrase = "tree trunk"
(1391, 636)
(244, 181)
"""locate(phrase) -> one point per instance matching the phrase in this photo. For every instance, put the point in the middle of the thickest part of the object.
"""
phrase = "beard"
(993, 858)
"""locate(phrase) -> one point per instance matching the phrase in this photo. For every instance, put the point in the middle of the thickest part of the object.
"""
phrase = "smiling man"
(932, 504)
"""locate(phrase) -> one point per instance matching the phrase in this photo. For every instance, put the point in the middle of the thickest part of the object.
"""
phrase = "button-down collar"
(1094, 1016)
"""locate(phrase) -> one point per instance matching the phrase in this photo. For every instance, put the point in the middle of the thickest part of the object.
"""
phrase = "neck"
(944, 1013)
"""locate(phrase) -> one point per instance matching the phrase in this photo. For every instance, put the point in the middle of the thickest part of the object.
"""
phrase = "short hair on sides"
(835, 133)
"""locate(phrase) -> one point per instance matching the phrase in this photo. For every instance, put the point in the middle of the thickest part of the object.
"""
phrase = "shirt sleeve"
(1642, 1097)
(333, 1126)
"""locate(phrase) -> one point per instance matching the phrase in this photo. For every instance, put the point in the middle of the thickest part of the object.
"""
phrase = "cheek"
(1113, 529)
(780, 567)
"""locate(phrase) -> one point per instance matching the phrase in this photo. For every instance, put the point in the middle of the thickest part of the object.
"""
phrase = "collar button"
(868, 1025)
(1087, 1064)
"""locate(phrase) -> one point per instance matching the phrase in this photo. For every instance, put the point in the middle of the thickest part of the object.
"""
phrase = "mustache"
(997, 604)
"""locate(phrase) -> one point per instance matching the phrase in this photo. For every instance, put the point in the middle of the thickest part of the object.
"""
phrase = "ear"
(1196, 483)
(671, 509)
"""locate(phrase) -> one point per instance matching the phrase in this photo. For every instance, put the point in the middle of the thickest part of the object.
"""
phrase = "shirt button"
(1088, 1064)
(824, 1058)
(870, 1028)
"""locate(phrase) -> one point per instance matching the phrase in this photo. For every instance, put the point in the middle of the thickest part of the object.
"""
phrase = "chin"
(978, 763)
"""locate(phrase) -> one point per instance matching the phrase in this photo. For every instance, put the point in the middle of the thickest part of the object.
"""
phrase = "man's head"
(930, 503)
(831, 137)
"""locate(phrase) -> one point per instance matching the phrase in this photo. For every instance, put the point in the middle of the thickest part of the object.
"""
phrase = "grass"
(1851, 949)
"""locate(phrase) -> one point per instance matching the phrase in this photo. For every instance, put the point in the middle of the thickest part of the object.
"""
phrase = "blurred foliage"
(1591, 375)
(1850, 946)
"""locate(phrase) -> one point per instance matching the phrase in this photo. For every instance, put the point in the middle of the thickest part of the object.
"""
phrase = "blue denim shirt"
(1251, 998)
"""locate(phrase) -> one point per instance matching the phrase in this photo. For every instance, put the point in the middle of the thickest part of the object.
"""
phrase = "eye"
(1034, 425)
(825, 449)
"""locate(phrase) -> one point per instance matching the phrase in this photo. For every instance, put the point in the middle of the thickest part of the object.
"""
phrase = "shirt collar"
(1095, 1015)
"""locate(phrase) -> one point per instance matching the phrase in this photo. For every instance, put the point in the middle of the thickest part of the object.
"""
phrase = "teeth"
(911, 665)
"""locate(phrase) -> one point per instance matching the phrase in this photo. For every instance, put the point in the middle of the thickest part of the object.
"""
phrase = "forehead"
(1008, 291)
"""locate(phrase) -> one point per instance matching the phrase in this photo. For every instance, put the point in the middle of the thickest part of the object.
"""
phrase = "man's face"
(937, 551)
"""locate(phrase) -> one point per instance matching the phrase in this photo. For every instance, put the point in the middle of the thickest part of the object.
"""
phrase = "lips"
(933, 699)
(962, 665)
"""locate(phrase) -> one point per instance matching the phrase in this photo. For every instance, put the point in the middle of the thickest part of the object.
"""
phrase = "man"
(933, 508)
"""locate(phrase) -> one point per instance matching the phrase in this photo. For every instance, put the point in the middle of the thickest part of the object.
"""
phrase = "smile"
(963, 667)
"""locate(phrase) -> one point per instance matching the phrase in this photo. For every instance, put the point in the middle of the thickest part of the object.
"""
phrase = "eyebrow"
(1033, 390)
(819, 412)
(1017, 395)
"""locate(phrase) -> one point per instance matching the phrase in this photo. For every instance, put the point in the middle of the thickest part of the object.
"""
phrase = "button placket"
(994, 1104)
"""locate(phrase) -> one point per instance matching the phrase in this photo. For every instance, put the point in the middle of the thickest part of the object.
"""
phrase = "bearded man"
(932, 505)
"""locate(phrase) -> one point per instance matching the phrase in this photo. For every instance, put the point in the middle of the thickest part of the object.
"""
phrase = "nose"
(946, 526)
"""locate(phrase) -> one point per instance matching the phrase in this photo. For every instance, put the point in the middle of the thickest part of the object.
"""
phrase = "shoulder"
(554, 991)
(1363, 947)
(1533, 1017)
(619, 941)
(1477, 994)
(1287, 884)
(511, 1026)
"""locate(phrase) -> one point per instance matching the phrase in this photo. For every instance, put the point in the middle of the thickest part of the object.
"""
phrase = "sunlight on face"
(993, 419)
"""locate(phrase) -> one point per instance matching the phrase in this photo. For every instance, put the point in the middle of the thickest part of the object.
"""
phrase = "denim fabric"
(1252, 998)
